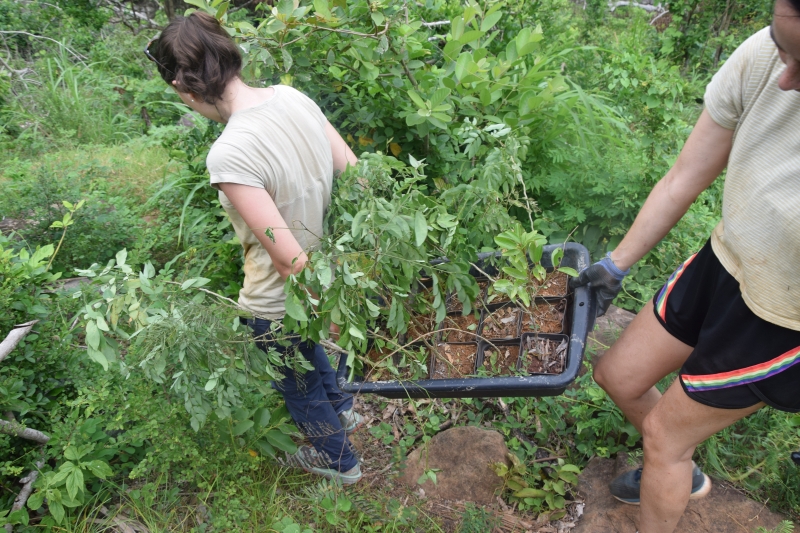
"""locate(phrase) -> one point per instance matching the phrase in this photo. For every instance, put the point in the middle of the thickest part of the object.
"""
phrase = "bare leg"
(672, 430)
(643, 355)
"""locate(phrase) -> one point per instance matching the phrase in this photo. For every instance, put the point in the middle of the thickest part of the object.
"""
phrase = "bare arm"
(342, 154)
(259, 212)
(703, 158)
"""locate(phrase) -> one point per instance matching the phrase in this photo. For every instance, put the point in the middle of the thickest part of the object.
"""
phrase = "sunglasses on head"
(150, 56)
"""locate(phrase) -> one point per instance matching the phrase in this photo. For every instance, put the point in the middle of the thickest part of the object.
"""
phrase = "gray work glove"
(606, 280)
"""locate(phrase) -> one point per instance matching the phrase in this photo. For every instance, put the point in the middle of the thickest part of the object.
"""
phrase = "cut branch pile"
(14, 428)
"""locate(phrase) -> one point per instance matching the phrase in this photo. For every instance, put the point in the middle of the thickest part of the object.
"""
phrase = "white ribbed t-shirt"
(758, 238)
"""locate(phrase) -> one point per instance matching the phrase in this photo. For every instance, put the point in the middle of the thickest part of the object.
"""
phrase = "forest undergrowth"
(548, 120)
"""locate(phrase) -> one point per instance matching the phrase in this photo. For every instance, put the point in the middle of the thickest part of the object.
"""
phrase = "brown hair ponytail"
(199, 54)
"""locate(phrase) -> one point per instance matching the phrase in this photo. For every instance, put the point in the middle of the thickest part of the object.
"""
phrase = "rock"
(464, 456)
(723, 511)
(608, 328)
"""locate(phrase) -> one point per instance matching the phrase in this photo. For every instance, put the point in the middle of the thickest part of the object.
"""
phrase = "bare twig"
(410, 75)
(208, 292)
(76, 55)
(659, 16)
(648, 8)
(16, 429)
(13, 338)
(436, 23)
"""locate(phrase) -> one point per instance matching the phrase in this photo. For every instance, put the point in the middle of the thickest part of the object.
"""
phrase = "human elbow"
(286, 269)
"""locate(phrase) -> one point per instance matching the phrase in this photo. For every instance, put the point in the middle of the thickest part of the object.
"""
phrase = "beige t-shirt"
(758, 238)
(280, 146)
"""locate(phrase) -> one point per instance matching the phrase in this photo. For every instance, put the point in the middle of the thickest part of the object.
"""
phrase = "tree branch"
(659, 16)
(436, 23)
(16, 429)
(646, 7)
(13, 338)
(24, 494)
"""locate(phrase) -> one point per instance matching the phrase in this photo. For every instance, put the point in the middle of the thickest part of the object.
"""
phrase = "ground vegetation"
(481, 126)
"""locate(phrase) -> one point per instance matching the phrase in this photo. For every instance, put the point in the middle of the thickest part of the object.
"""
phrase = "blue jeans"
(312, 397)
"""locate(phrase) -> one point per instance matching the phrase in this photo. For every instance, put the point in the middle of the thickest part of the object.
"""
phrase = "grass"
(129, 168)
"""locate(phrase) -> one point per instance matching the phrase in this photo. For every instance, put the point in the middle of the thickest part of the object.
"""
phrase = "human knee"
(660, 444)
(607, 379)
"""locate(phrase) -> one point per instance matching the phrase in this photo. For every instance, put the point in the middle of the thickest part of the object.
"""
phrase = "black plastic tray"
(581, 313)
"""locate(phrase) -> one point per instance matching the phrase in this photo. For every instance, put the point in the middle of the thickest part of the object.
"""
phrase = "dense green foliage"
(523, 120)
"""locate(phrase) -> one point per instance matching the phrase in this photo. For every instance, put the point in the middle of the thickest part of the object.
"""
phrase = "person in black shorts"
(728, 319)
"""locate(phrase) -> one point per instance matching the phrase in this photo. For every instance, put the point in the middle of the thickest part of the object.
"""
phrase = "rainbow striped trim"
(661, 302)
(750, 374)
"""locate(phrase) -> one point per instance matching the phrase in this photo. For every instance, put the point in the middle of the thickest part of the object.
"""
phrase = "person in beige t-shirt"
(274, 167)
(728, 319)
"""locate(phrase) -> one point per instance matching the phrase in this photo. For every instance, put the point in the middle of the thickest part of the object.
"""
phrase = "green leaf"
(516, 273)
(287, 59)
(92, 335)
(374, 310)
(211, 383)
(122, 256)
(322, 9)
(265, 447)
(505, 241)
(356, 332)
(470, 36)
(461, 65)
(414, 119)
(99, 469)
(439, 96)
(241, 427)
(491, 19)
(295, 309)
(20, 516)
(346, 276)
(36, 500)
(75, 483)
(451, 50)
(281, 441)
(420, 228)
(569, 271)
(262, 417)
(530, 493)
(56, 509)
(71, 454)
(286, 7)
(420, 103)
(97, 356)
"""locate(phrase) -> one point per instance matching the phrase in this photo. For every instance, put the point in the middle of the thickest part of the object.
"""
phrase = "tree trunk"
(169, 8)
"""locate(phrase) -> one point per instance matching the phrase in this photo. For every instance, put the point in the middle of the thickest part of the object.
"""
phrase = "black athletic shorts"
(739, 359)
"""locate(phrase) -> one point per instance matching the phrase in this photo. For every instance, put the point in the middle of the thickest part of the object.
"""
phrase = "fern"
(784, 527)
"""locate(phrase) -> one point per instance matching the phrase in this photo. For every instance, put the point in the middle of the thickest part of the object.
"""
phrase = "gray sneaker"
(307, 458)
(351, 421)
(626, 487)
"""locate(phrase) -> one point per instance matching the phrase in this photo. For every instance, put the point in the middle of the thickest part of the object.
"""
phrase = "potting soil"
(467, 326)
(544, 317)
(544, 356)
(501, 324)
(501, 360)
(454, 360)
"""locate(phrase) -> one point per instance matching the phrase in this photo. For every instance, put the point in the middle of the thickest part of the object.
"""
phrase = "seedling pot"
(499, 346)
(525, 360)
(440, 368)
(558, 305)
(579, 320)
